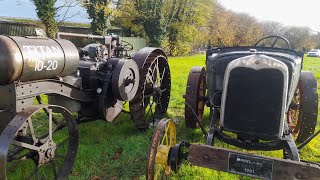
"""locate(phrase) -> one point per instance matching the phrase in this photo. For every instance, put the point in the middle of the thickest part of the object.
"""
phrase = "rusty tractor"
(39, 139)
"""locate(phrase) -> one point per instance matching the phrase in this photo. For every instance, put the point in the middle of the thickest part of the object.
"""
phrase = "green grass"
(101, 140)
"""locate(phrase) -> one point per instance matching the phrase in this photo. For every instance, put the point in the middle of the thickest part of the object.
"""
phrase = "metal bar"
(198, 120)
(219, 159)
(50, 124)
(89, 36)
(308, 140)
(31, 129)
(25, 145)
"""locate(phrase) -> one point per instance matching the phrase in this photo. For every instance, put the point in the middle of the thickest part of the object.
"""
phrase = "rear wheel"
(303, 112)
(195, 96)
(152, 98)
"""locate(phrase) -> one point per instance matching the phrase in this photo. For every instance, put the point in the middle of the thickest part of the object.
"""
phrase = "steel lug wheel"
(195, 96)
(152, 99)
(34, 146)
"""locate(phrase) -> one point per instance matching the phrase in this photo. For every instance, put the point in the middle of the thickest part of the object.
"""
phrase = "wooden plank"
(218, 159)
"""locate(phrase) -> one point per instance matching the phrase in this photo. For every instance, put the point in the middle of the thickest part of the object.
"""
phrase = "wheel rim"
(152, 99)
(39, 149)
(163, 139)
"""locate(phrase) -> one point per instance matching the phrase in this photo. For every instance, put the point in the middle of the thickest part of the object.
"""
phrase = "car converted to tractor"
(39, 140)
(259, 99)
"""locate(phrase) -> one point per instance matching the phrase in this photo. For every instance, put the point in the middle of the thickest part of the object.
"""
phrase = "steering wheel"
(264, 41)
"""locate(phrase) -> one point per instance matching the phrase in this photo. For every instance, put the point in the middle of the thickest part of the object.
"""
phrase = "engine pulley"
(125, 80)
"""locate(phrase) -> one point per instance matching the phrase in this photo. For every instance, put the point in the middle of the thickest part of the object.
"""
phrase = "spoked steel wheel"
(34, 146)
(302, 115)
(195, 96)
(163, 139)
(152, 99)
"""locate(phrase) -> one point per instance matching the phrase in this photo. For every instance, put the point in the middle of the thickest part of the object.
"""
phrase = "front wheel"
(34, 146)
(163, 139)
(303, 112)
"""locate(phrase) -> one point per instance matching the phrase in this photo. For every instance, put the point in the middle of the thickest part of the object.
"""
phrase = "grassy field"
(101, 141)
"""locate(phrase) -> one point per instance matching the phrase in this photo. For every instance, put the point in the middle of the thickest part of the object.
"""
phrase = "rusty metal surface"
(10, 59)
(113, 111)
(152, 97)
(52, 86)
(7, 104)
(33, 58)
(218, 159)
(195, 96)
(10, 135)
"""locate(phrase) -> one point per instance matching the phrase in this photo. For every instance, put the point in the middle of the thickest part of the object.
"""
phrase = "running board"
(247, 164)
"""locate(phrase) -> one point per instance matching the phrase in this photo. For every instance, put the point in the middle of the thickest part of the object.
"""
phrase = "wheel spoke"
(61, 125)
(157, 79)
(163, 72)
(25, 145)
(50, 124)
(163, 137)
(150, 78)
(24, 148)
(62, 142)
(53, 166)
(35, 173)
(159, 105)
(60, 156)
(31, 130)
(155, 67)
(150, 108)
(11, 158)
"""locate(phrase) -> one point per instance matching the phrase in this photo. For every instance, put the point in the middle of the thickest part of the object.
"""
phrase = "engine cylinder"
(34, 58)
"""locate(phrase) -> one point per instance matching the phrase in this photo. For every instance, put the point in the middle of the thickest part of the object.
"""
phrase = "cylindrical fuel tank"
(34, 58)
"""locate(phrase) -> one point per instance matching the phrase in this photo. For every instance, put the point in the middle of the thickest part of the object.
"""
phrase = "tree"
(47, 12)
(151, 18)
(126, 17)
(300, 38)
(247, 30)
(99, 11)
(173, 24)
(187, 25)
(272, 28)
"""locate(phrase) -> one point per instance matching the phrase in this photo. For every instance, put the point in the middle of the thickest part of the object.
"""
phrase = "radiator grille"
(254, 102)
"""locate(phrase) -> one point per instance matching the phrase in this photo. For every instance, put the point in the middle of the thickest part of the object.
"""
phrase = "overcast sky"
(288, 12)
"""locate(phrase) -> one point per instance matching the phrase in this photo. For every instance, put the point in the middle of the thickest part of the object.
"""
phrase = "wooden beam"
(251, 165)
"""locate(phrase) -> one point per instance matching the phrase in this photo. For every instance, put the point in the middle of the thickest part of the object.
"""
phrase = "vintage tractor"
(39, 140)
(259, 99)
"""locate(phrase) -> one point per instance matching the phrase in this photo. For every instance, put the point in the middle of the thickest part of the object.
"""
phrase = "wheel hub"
(46, 152)
(157, 91)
